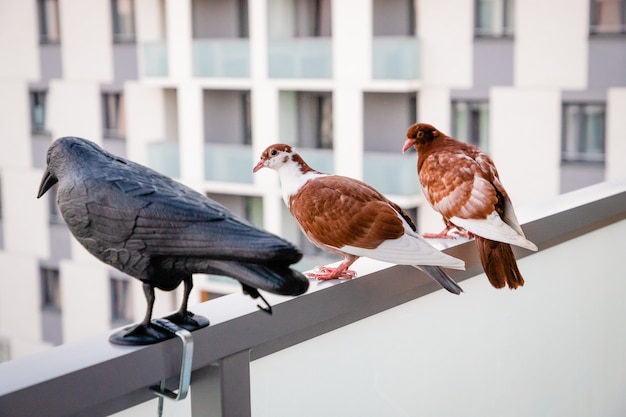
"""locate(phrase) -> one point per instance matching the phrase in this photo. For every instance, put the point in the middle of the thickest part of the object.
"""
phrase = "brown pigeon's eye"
(273, 152)
(420, 133)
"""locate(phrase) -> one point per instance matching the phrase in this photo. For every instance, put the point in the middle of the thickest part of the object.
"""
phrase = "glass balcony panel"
(229, 163)
(318, 159)
(395, 58)
(391, 174)
(300, 58)
(228, 58)
(163, 157)
(154, 56)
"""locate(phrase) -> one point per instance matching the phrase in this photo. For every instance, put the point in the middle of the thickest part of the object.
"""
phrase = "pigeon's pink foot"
(448, 233)
(324, 273)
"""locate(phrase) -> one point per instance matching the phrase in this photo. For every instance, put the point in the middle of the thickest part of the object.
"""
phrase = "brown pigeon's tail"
(499, 263)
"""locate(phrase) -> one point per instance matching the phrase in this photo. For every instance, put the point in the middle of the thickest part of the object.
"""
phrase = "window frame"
(467, 136)
(580, 155)
(113, 123)
(507, 27)
(45, 22)
(120, 37)
(593, 16)
(50, 281)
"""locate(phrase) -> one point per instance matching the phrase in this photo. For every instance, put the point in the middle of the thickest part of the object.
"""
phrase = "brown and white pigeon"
(461, 183)
(347, 217)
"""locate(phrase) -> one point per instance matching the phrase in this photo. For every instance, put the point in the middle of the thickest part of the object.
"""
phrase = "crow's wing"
(136, 205)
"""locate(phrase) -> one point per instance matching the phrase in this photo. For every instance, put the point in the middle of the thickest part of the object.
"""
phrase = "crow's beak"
(407, 145)
(47, 181)
(258, 166)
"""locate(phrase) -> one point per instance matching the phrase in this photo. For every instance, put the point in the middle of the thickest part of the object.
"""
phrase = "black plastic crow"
(161, 232)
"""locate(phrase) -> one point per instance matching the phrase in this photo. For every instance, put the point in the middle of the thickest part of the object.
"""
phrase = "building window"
(123, 21)
(324, 121)
(470, 122)
(113, 113)
(120, 300)
(38, 111)
(607, 16)
(50, 289)
(48, 11)
(583, 132)
(247, 118)
(393, 17)
(494, 18)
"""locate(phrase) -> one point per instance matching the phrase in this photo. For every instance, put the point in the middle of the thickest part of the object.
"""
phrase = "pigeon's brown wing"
(456, 185)
(339, 211)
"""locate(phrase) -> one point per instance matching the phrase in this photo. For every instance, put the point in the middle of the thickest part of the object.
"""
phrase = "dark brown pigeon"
(461, 182)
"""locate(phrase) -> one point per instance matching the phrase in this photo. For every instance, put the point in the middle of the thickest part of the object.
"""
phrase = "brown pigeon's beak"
(407, 145)
(47, 181)
(258, 166)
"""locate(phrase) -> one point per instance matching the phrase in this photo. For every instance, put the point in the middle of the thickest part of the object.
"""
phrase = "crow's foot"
(187, 320)
(140, 334)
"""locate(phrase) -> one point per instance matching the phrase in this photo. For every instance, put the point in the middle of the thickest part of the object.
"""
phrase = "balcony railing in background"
(228, 163)
(164, 157)
(154, 58)
(395, 58)
(222, 162)
(391, 174)
(229, 58)
(553, 332)
(301, 58)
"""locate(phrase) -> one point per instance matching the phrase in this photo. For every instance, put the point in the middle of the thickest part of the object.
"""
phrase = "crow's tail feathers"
(278, 280)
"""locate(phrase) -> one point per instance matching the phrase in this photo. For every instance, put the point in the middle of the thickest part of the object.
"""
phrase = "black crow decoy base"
(161, 232)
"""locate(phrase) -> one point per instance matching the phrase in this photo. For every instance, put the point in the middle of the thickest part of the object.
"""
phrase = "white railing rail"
(94, 378)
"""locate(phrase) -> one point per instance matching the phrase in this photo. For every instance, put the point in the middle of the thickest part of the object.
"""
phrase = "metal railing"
(95, 378)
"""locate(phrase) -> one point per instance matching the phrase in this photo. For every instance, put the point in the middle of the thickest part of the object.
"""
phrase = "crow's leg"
(148, 291)
(144, 333)
(183, 317)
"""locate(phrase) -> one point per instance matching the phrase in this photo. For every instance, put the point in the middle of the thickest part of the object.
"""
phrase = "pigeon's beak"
(47, 181)
(408, 144)
(258, 166)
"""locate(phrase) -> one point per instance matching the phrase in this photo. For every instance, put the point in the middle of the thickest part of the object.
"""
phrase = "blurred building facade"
(196, 89)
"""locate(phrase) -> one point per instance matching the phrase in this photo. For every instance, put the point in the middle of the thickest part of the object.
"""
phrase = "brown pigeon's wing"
(340, 211)
(456, 185)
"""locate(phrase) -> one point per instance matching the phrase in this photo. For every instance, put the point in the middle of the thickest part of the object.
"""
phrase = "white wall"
(551, 348)
(446, 35)
(86, 299)
(20, 308)
(19, 52)
(551, 43)
(524, 141)
(25, 218)
(74, 109)
(14, 124)
(145, 107)
(86, 40)
(616, 133)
